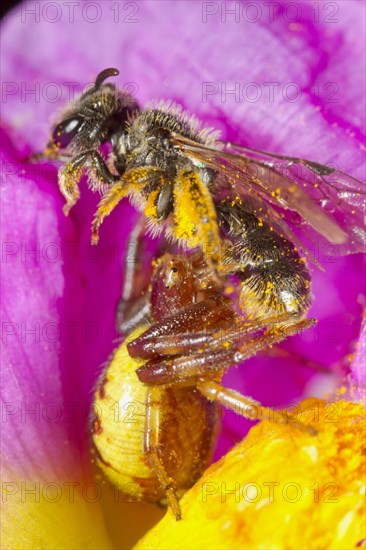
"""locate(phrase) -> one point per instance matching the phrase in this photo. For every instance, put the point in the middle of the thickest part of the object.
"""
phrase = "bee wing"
(328, 200)
(244, 189)
(317, 197)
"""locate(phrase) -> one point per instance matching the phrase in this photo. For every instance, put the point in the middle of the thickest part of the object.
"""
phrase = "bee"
(156, 412)
(234, 203)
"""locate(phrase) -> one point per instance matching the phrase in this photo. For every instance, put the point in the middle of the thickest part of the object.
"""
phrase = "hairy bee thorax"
(164, 183)
(147, 140)
(171, 117)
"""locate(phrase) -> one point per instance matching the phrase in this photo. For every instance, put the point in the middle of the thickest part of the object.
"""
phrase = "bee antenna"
(103, 76)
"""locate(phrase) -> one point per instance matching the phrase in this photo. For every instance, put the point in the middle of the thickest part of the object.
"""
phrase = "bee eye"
(66, 131)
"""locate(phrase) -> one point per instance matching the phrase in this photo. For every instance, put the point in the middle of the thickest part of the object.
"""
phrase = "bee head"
(95, 117)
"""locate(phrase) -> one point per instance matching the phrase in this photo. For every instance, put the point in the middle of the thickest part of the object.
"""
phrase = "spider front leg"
(154, 452)
(134, 307)
(189, 329)
(224, 348)
(208, 365)
(69, 176)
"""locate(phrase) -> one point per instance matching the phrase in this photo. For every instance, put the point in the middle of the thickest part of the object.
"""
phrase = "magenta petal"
(54, 339)
(357, 378)
(33, 286)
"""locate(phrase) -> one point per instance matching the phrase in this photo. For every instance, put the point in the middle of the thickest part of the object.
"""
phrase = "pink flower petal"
(357, 377)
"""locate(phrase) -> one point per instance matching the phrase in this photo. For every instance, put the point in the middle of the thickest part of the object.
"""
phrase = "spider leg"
(272, 336)
(154, 452)
(183, 329)
(299, 358)
(155, 343)
(177, 344)
(134, 307)
(246, 406)
(215, 359)
(210, 323)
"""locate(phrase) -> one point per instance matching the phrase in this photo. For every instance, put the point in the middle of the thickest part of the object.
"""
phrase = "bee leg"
(248, 407)
(50, 155)
(134, 307)
(68, 179)
(133, 182)
(195, 217)
(70, 174)
(154, 452)
(108, 202)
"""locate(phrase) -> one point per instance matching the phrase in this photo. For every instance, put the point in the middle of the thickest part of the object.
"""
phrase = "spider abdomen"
(188, 427)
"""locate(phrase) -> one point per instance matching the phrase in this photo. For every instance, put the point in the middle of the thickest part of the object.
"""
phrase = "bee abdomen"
(275, 278)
